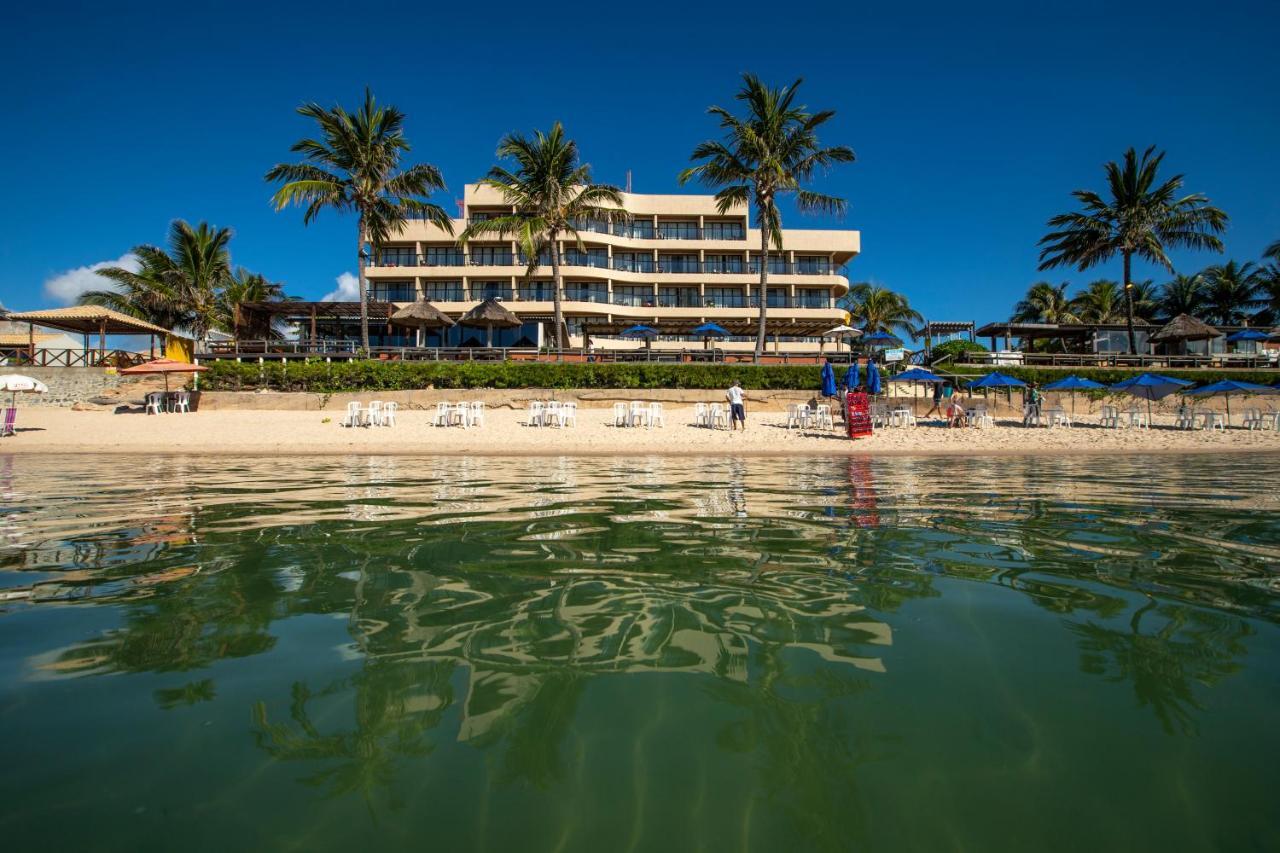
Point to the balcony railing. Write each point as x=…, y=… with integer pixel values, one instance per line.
x=645, y=230
x=669, y=266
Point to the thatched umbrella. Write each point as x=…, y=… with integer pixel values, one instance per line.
x=490, y=315
x=1184, y=328
x=422, y=316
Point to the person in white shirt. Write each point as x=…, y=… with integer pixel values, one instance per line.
x=737, y=411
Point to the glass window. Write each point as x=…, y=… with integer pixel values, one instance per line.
x=814, y=298
x=583, y=291
x=724, y=231
x=677, y=263
x=725, y=297
x=678, y=230
x=538, y=291
x=490, y=290
x=444, y=256
x=392, y=291
x=724, y=263
x=443, y=291
x=778, y=298
x=678, y=297
x=397, y=256
x=638, y=228
x=777, y=264
x=630, y=295
x=491, y=256
x=813, y=265
x=590, y=258
x=633, y=262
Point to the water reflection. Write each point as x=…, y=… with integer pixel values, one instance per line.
x=491, y=604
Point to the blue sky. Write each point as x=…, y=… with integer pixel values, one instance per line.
x=972, y=122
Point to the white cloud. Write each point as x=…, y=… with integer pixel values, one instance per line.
x=66, y=287
x=348, y=289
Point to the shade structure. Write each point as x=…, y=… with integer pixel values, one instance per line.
x=1226, y=388
x=164, y=366
x=916, y=374
x=1247, y=335
x=490, y=315
x=873, y=378
x=1073, y=384
x=1184, y=327
x=710, y=330
x=998, y=380
x=1150, y=386
x=828, y=380
x=639, y=332
x=16, y=383
x=881, y=339
x=422, y=315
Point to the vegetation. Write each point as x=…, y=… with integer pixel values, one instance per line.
x=1139, y=217
x=1100, y=302
x=957, y=349
x=878, y=309
x=1229, y=293
x=552, y=194
x=364, y=375
x=770, y=151
x=355, y=165
x=1045, y=303
x=189, y=286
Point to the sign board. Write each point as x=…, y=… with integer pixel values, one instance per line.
x=894, y=355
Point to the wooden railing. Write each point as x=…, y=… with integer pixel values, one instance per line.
x=1056, y=359
x=71, y=357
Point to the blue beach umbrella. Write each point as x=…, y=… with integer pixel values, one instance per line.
x=710, y=330
x=1227, y=387
x=881, y=339
x=851, y=377
x=1073, y=384
x=918, y=374
x=828, y=380
x=873, y=378
x=1150, y=386
x=640, y=332
x=998, y=380
x=1247, y=335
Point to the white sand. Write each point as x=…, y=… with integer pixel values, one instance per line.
x=52, y=430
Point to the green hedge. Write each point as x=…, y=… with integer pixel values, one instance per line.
x=340, y=377
x=346, y=376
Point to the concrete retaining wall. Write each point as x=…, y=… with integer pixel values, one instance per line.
x=70, y=385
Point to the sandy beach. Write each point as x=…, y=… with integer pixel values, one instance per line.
x=507, y=432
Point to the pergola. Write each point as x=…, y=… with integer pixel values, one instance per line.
x=87, y=320
x=253, y=317
x=1036, y=331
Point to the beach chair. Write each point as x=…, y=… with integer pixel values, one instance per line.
x=442, y=414
x=620, y=414
x=537, y=410
x=182, y=402
x=700, y=415
x=639, y=414
x=1135, y=417
x=551, y=414
x=389, y=413
x=1215, y=420
x=155, y=403
x=979, y=416
x=352, y=418
x=373, y=415
x=718, y=416
x=655, y=415
x=1185, y=419
x=822, y=417
x=902, y=416
x=1059, y=417
x=1109, y=417
x=10, y=419
x=879, y=415
x=793, y=415
x=475, y=413
x=569, y=414
x=1252, y=419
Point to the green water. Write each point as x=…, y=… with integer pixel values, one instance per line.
x=640, y=654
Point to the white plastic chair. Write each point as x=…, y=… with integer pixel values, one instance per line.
x=1136, y=418
x=1252, y=419
x=442, y=414
x=620, y=414
x=655, y=415
x=551, y=414
x=155, y=403
x=639, y=414
x=569, y=414
x=537, y=411
x=902, y=416
x=1109, y=417
x=980, y=416
x=701, y=417
x=458, y=415
x=389, y=414
x=793, y=415
x=1215, y=420
x=373, y=417
x=1186, y=419
x=182, y=402
x=353, y=415
x=1059, y=417
x=475, y=414
x=718, y=416
x=822, y=417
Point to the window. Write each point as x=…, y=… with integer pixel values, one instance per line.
x=583, y=291
x=538, y=291
x=397, y=256
x=724, y=231
x=444, y=256
x=677, y=263
x=392, y=291
x=813, y=298
x=638, y=228
x=443, y=291
x=777, y=264
x=590, y=258
x=678, y=297
x=490, y=290
x=778, y=298
x=600, y=226
x=724, y=263
x=490, y=256
x=678, y=230
x=633, y=262
x=635, y=296
x=813, y=265
x=544, y=258
x=725, y=297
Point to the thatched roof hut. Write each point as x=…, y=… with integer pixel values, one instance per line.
x=1184, y=327
x=490, y=314
x=422, y=315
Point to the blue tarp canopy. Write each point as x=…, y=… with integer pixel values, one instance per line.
x=1247, y=335
x=1074, y=383
x=640, y=332
x=997, y=380
x=711, y=330
x=917, y=374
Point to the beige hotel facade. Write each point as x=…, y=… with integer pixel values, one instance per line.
x=677, y=263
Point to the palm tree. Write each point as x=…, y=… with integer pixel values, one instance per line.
x=1145, y=297
x=1099, y=303
x=771, y=151
x=177, y=288
x=1045, y=303
x=1141, y=218
x=878, y=309
x=1230, y=292
x=245, y=286
x=552, y=194
x=356, y=166
x=1268, y=294
x=1183, y=294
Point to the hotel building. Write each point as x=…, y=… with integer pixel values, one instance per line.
x=676, y=263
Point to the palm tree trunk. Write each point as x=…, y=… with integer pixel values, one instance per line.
x=558, y=310
x=364, y=302
x=1128, y=307
x=764, y=283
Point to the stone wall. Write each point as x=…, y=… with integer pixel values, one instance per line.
x=86, y=385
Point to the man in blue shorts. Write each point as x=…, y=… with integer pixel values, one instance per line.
x=737, y=411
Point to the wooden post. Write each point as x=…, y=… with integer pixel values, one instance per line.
x=313, y=324
x=102, y=341
x=31, y=342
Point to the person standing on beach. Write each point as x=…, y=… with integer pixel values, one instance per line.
x=937, y=401
x=737, y=410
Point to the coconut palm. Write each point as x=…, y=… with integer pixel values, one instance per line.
x=770, y=151
x=1230, y=292
x=1146, y=298
x=1182, y=294
x=878, y=309
x=355, y=165
x=1268, y=294
x=1099, y=303
x=175, y=288
x=1045, y=303
x=1141, y=218
x=552, y=193
x=1272, y=252
x=245, y=286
